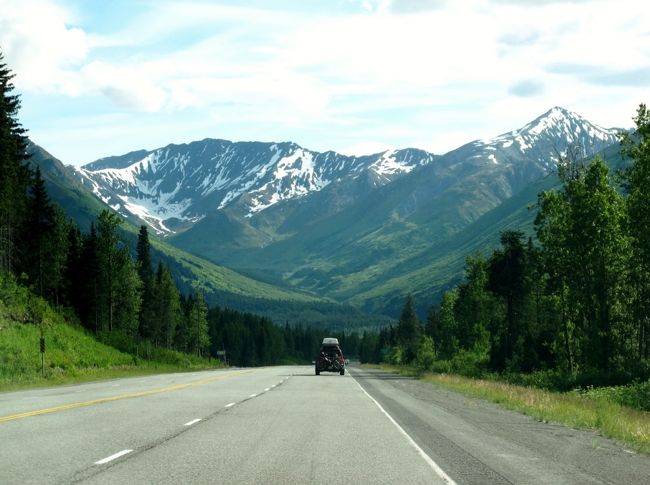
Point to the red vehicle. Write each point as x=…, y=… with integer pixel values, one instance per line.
x=330, y=357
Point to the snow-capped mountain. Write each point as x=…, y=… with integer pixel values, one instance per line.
x=557, y=133
x=173, y=187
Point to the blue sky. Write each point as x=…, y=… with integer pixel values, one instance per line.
x=101, y=78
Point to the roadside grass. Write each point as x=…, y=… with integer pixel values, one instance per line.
x=72, y=354
x=579, y=410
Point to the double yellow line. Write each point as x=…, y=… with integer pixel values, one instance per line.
x=129, y=395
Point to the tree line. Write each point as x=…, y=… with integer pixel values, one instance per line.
x=573, y=302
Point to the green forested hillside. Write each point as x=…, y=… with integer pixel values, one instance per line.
x=563, y=306
x=220, y=285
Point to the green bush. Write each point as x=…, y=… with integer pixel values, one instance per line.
x=426, y=354
x=635, y=395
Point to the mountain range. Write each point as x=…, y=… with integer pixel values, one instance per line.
x=357, y=230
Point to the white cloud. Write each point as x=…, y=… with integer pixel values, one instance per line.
x=40, y=46
x=392, y=70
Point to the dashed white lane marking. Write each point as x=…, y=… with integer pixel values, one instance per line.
x=113, y=457
x=434, y=466
x=230, y=405
x=253, y=395
x=267, y=389
x=194, y=421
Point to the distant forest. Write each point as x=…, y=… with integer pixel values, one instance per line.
x=570, y=308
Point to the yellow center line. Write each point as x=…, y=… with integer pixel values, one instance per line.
x=129, y=395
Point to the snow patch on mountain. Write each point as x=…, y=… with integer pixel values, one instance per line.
x=186, y=182
x=388, y=164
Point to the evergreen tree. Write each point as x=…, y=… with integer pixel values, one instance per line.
x=73, y=272
x=43, y=250
x=475, y=305
x=119, y=286
x=507, y=280
x=168, y=306
x=198, y=338
x=408, y=330
x=442, y=326
x=14, y=173
x=149, y=325
x=126, y=294
x=90, y=283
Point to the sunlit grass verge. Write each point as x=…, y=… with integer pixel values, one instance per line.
x=629, y=426
x=72, y=355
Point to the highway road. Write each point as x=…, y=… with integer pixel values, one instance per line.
x=285, y=425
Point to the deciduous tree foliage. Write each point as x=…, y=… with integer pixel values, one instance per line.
x=578, y=303
x=637, y=179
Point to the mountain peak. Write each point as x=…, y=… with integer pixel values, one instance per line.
x=566, y=121
x=560, y=127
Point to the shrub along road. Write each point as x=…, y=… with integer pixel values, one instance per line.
x=283, y=425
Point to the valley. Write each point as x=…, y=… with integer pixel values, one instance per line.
x=357, y=231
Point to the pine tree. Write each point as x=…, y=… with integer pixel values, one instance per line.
x=149, y=326
x=475, y=305
x=109, y=266
x=43, y=248
x=90, y=282
x=14, y=173
x=409, y=329
x=168, y=306
x=126, y=294
x=197, y=324
x=73, y=270
x=507, y=280
x=442, y=325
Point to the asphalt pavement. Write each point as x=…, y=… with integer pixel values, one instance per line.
x=286, y=425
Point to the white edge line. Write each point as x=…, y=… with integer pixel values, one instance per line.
x=194, y=421
x=230, y=405
x=434, y=466
x=112, y=457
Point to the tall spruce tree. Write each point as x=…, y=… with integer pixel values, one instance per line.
x=127, y=293
x=168, y=306
x=148, y=323
x=90, y=282
x=197, y=324
x=43, y=250
x=507, y=280
x=14, y=173
x=409, y=329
